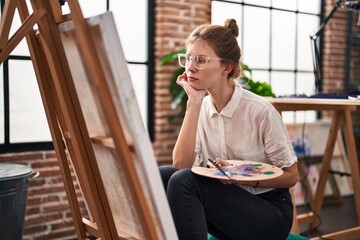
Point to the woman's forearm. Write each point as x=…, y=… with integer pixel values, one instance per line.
x=184, y=150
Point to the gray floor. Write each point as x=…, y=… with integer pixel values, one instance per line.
x=334, y=216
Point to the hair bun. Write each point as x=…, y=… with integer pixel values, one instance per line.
x=232, y=26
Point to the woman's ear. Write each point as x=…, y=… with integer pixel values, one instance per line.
x=228, y=68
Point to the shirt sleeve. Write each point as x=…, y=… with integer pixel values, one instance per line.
x=278, y=146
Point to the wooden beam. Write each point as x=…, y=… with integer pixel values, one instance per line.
x=24, y=30
x=348, y=234
x=6, y=21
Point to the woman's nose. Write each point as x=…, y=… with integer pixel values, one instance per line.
x=191, y=64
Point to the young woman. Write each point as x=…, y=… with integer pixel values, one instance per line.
x=226, y=122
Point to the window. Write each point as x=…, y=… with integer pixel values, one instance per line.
x=23, y=124
x=275, y=42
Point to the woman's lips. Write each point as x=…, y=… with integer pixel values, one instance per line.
x=191, y=79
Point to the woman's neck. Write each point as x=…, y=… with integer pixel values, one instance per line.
x=221, y=96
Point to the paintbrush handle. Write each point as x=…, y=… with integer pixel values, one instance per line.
x=221, y=169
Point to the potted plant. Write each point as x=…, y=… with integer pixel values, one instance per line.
x=179, y=97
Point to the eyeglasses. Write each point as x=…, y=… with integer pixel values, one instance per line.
x=199, y=61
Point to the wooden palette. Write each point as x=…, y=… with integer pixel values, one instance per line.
x=242, y=171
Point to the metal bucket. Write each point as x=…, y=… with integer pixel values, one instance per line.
x=14, y=180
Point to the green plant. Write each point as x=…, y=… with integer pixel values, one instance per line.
x=179, y=97
x=259, y=88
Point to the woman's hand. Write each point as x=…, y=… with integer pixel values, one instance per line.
x=222, y=162
x=192, y=93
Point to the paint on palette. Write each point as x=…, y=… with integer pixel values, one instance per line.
x=246, y=170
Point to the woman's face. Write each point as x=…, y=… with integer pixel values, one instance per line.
x=211, y=75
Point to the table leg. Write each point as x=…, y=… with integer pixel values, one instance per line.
x=353, y=160
x=325, y=165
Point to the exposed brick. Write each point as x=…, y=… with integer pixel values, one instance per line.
x=32, y=210
x=56, y=208
x=50, y=198
x=62, y=225
x=33, y=230
x=46, y=164
x=56, y=235
x=33, y=200
x=43, y=218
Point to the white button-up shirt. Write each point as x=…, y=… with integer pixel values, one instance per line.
x=248, y=128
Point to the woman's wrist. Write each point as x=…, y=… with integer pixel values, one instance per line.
x=195, y=99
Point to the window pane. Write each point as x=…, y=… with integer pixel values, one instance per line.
x=27, y=117
x=258, y=2
x=131, y=22
x=256, y=37
x=92, y=7
x=283, y=83
x=22, y=48
x=305, y=84
x=283, y=40
x=309, y=6
x=261, y=76
x=288, y=4
x=307, y=25
x=138, y=74
x=222, y=11
x=2, y=132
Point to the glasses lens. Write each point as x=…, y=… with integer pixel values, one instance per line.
x=182, y=60
x=200, y=62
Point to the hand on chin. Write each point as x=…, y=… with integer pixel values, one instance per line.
x=196, y=86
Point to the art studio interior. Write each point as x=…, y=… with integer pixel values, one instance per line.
x=70, y=149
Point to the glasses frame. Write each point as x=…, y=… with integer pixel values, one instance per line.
x=193, y=59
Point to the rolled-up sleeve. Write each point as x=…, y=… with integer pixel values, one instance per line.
x=278, y=146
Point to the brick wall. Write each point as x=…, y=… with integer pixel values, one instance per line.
x=334, y=54
x=174, y=21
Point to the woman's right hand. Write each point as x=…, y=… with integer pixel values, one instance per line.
x=192, y=93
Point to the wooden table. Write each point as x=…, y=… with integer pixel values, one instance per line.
x=341, y=119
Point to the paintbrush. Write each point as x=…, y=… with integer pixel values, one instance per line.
x=221, y=169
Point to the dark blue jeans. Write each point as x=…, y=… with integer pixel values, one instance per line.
x=202, y=205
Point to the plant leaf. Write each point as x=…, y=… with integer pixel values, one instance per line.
x=170, y=57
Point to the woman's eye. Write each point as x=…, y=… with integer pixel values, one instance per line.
x=201, y=60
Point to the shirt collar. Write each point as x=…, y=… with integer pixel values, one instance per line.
x=230, y=108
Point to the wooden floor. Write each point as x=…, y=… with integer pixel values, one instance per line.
x=333, y=217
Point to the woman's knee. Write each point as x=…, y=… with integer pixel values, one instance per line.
x=181, y=179
x=166, y=172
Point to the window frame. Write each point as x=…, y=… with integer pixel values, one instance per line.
x=7, y=147
x=297, y=116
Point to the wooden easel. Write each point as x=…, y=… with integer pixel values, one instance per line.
x=84, y=99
